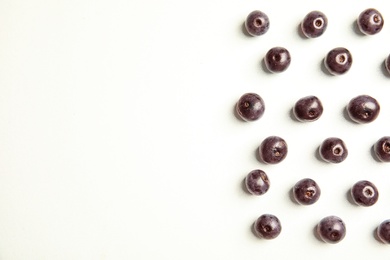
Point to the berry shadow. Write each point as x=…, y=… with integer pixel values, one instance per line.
x=300, y=33
x=356, y=29
x=373, y=154
x=264, y=67
x=324, y=69
x=317, y=155
x=347, y=117
x=375, y=235
x=253, y=230
x=291, y=195
x=257, y=155
x=293, y=117
x=384, y=70
x=244, y=188
x=244, y=31
x=316, y=235
x=348, y=195
x=236, y=114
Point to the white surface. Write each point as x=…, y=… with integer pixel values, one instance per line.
x=118, y=138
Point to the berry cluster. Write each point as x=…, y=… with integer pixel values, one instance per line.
x=338, y=61
x=361, y=109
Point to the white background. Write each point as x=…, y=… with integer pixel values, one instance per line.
x=118, y=138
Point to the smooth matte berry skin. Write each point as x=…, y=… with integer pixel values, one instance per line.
x=277, y=59
x=267, y=226
x=273, y=150
x=364, y=193
x=257, y=182
x=382, y=149
x=333, y=150
x=314, y=24
x=363, y=109
x=370, y=21
x=331, y=229
x=387, y=64
x=308, y=109
x=383, y=231
x=257, y=23
x=250, y=107
x=338, y=61
x=306, y=191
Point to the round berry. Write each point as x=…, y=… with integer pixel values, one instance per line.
x=383, y=231
x=308, y=109
x=363, y=109
x=277, y=59
x=331, y=229
x=257, y=182
x=338, y=61
x=382, y=149
x=333, y=150
x=267, y=226
x=364, y=193
x=306, y=191
x=314, y=24
x=387, y=64
x=273, y=150
x=257, y=23
x=250, y=107
x=370, y=21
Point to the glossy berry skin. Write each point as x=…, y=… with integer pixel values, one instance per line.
x=331, y=229
x=257, y=182
x=308, y=109
x=277, y=59
x=383, y=231
x=382, y=149
x=273, y=150
x=306, y=191
x=314, y=24
x=333, y=150
x=364, y=193
x=363, y=109
x=267, y=226
x=257, y=23
x=250, y=107
x=338, y=61
x=370, y=21
x=387, y=64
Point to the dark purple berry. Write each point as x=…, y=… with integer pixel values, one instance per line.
x=250, y=107
x=257, y=182
x=277, y=59
x=370, y=21
x=308, y=109
x=333, y=150
x=267, y=226
x=331, y=229
x=273, y=150
x=314, y=24
x=387, y=64
x=364, y=193
x=338, y=61
x=363, y=109
x=383, y=231
x=306, y=191
x=382, y=149
x=257, y=23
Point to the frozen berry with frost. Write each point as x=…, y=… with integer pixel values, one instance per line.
x=333, y=150
x=277, y=59
x=370, y=21
x=257, y=182
x=250, y=107
x=257, y=23
x=314, y=24
x=383, y=231
x=382, y=149
x=364, y=193
x=338, y=61
x=267, y=226
x=306, y=191
x=363, y=109
x=273, y=150
x=308, y=109
x=331, y=229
